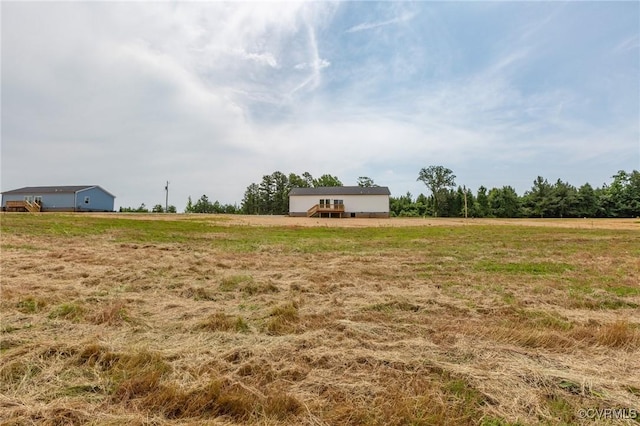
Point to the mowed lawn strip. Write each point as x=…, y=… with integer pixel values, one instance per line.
x=168, y=319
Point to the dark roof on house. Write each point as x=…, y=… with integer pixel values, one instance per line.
x=39, y=190
x=341, y=190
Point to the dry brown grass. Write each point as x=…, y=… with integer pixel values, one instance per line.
x=238, y=324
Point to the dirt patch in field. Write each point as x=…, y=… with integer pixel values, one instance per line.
x=407, y=222
x=270, y=220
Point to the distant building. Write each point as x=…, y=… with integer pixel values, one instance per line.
x=84, y=198
x=340, y=201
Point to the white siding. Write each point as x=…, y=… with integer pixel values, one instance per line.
x=352, y=203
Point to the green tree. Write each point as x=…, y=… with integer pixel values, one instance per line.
x=273, y=193
x=309, y=179
x=402, y=205
x=458, y=200
x=281, y=188
x=437, y=179
x=564, y=200
x=266, y=191
x=203, y=205
x=586, y=201
x=623, y=195
x=366, y=182
x=453, y=203
x=481, y=205
x=231, y=209
x=423, y=205
x=633, y=194
x=296, y=181
x=539, y=198
x=504, y=202
x=251, y=200
x=142, y=209
x=327, y=180
x=189, y=207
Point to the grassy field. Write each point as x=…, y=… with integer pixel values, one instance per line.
x=179, y=319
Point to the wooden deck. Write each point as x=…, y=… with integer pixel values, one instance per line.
x=23, y=206
x=332, y=210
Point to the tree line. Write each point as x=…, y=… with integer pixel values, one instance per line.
x=158, y=208
x=620, y=198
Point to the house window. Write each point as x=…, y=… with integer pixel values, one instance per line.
x=86, y=200
x=338, y=202
x=321, y=202
x=38, y=199
x=28, y=198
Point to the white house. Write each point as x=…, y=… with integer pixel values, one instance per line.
x=340, y=201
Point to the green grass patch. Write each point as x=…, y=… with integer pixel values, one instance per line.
x=31, y=305
x=528, y=268
x=14, y=373
x=623, y=291
x=68, y=311
x=223, y=322
x=119, y=228
x=241, y=325
x=600, y=302
x=461, y=243
x=233, y=282
x=547, y=319
x=561, y=409
x=83, y=390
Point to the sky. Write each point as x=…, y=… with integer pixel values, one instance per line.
x=212, y=96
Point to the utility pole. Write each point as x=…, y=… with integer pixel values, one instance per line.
x=465, y=202
x=166, y=200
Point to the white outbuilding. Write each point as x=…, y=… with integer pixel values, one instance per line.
x=340, y=201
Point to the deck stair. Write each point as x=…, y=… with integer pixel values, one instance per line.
x=331, y=209
x=23, y=206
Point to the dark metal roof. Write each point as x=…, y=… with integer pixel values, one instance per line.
x=341, y=190
x=39, y=190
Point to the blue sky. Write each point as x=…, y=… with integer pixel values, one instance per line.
x=212, y=96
